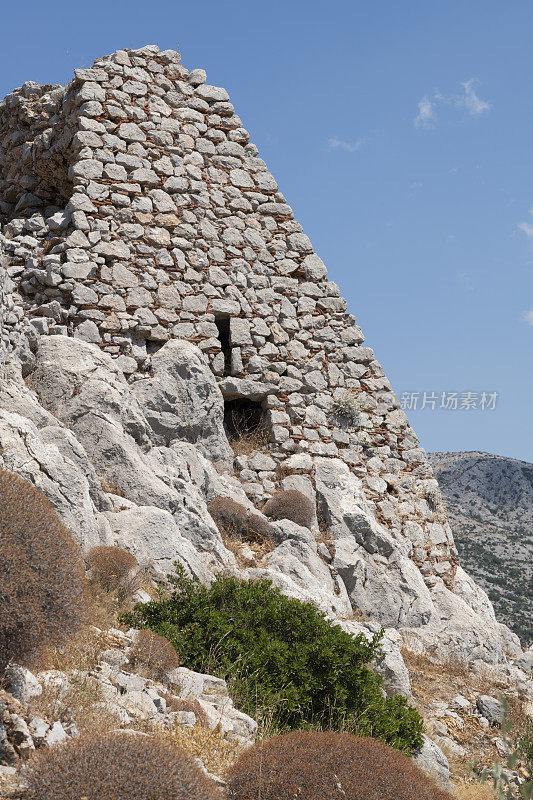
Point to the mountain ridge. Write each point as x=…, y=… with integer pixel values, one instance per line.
x=490, y=502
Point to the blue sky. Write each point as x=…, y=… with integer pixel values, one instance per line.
x=401, y=133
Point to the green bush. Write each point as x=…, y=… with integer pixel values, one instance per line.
x=281, y=655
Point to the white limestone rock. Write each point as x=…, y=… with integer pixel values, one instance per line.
x=182, y=401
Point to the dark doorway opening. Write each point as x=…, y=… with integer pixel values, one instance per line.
x=153, y=346
x=242, y=418
x=222, y=323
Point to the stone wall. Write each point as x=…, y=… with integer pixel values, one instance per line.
x=12, y=320
x=135, y=209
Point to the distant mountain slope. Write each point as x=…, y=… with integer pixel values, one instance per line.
x=490, y=505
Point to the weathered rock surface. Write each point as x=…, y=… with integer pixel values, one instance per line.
x=182, y=400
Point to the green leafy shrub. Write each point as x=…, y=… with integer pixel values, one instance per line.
x=292, y=505
x=327, y=766
x=117, y=766
x=154, y=652
x=281, y=655
x=41, y=573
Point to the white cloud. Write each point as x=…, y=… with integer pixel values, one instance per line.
x=526, y=228
x=339, y=144
x=426, y=116
x=468, y=101
x=528, y=316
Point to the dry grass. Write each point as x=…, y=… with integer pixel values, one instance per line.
x=474, y=791
x=247, y=442
x=433, y=680
x=241, y=547
x=241, y=531
x=80, y=652
x=82, y=704
x=216, y=752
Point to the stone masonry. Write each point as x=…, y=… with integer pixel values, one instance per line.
x=134, y=209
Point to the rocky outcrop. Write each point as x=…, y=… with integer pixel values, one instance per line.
x=88, y=445
x=182, y=402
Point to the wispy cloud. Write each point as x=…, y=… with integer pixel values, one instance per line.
x=470, y=101
x=340, y=144
x=467, y=100
x=426, y=114
x=528, y=316
x=526, y=228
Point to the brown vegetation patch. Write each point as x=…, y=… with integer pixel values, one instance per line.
x=238, y=528
x=179, y=704
x=327, y=765
x=113, y=569
x=121, y=766
x=41, y=573
x=154, y=653
x=292, y=505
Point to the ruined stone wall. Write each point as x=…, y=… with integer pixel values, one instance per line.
x=12, y=319
x=135, y=210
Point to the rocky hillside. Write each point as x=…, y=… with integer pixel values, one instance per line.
x=490, y=506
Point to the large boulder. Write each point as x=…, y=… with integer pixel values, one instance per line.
x=379, y=576
x=58, y=473
x=385, y=584
x=297, y=558
x=432, y=760
x=181, y=400
x=154, y=537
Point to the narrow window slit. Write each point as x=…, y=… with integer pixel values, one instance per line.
x=223, y=323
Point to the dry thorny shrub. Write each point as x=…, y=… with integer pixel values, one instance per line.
x=292, y=505
x=117, y=766
x=238, y=528
x=41, y=573
x=154, y=654
x=114, y=570
x=326, y=766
